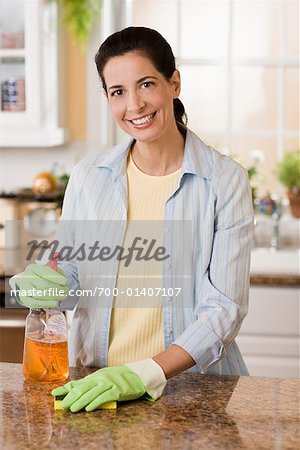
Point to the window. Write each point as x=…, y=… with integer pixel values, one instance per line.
x=239, y=66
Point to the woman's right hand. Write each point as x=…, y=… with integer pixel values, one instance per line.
x=39, y=286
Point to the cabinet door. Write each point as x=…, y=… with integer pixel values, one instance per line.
x=29, y=102
x=20, y=63
x=269, y=337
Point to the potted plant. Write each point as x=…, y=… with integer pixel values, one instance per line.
x=289, y=176
x=252, y=172
x=79, y=16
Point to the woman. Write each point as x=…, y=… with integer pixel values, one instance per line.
x=166, y=174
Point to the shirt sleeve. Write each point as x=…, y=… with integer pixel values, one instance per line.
x=223, y=300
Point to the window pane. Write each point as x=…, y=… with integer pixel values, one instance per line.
x=217, y=141
x=12, y=24
x=292, y=99
x=292, y=27
x=254, y=98
x=160, y=15
x=204, y=28
x=204, y=96
x=12, y=79
x=246, y=150
x=256, y=31
x=291, y=144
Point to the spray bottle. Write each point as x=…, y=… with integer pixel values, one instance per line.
x=45, y=355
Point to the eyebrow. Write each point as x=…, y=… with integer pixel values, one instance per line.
x=118, y=86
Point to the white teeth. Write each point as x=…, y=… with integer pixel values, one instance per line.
x=143, y=120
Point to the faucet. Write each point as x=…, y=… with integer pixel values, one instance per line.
x=274, y=242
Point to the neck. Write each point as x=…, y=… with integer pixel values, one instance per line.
x=160, y=157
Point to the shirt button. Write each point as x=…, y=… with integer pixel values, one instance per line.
x=166, y=229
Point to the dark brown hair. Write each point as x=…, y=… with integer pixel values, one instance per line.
x=150, y=43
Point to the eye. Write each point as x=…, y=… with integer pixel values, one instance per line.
x=147, y=84
x=117, y=93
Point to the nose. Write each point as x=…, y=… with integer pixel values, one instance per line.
x=135, y=102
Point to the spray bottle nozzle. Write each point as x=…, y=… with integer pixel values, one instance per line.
x=54, y=261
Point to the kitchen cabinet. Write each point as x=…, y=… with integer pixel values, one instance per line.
x=269, y=337
x=30, y=91
x=12, y=329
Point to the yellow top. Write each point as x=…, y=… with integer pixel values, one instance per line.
x=136, y=330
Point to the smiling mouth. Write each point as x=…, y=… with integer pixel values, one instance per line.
x=143, y=120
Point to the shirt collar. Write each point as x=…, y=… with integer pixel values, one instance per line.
x=115, y=159
x=196, y=158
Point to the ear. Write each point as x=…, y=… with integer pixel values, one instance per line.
x=176, y=83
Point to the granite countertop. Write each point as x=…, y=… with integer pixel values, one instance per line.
x=196, y=411
x=274, y=280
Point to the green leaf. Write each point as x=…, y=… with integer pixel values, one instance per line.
x=251, y=172
x=79, y=16
x=289, y=171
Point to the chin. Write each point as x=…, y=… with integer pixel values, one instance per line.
x=145, y=135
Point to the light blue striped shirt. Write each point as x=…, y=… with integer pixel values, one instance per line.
x=213, y=195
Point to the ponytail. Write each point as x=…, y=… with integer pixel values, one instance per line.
x=179, y=112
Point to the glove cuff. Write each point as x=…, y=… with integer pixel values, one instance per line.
x=151, y=375
x=14, y=287
x=12, y=283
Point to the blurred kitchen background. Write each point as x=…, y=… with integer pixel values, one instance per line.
x=239, y=63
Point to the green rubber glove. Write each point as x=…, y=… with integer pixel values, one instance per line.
x=111, y=383
x=40, y=286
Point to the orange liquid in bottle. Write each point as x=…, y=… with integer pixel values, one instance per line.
x=45, y=357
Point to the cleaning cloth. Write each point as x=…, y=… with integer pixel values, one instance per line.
x=59, y=398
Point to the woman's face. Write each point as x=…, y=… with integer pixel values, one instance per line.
x=140, y=98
